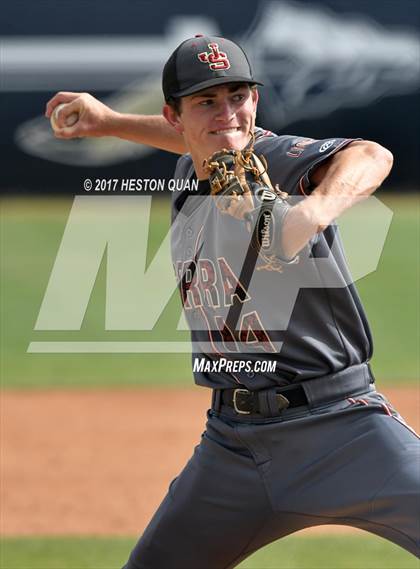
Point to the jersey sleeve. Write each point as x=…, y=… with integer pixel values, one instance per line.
x=291, y=159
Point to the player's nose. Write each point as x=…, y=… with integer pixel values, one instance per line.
x=224, y=111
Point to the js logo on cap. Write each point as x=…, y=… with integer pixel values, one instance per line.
x=217, y=60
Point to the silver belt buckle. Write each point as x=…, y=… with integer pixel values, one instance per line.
x=235, y=405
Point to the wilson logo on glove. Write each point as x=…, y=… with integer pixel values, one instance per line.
x=265, y=224
x=265, y=195
x=241, y=187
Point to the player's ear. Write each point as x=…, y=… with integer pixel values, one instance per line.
x=173, y=118
x=255, y=96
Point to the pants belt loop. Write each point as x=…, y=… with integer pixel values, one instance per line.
x=216, y=399
x=268, y=402
x=370, y=373
x=333, y=387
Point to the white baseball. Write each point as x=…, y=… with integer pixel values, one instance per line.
x=70, y=120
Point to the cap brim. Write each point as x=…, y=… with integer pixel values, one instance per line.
x=216, y=81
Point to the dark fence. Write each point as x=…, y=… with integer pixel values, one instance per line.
x=332, y=68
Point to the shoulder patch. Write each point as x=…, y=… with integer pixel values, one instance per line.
x=299, y=147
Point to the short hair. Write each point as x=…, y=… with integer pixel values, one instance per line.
x=175, y=103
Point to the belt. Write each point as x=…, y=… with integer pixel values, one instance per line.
x=273, y=401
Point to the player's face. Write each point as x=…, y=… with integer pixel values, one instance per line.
x=216, y=118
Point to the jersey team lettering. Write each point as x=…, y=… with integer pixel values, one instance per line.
x=200, y=282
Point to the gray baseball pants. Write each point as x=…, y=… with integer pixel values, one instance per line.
x=352, y=462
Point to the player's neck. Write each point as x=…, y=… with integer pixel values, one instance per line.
x=199, y=170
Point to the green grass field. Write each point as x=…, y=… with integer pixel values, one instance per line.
x=31, y=232
x=294, y=552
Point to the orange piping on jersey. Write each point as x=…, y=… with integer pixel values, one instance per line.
x=301, y=188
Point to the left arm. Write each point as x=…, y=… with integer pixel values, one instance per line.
x=349, y=176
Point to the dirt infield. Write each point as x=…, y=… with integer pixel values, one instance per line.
x=98, y=462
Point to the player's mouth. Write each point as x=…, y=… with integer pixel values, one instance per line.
x=229, y=130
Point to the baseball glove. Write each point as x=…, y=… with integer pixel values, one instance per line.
x=240, y=184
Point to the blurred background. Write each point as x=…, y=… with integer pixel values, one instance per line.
x=331, y=68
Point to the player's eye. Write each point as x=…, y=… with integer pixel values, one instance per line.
x=206, y=102
x=238, y=97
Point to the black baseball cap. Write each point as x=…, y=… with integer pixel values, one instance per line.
x=204, y=61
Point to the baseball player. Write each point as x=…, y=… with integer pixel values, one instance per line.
x=297, y=435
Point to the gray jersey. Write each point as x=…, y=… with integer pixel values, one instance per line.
x=305, y=316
